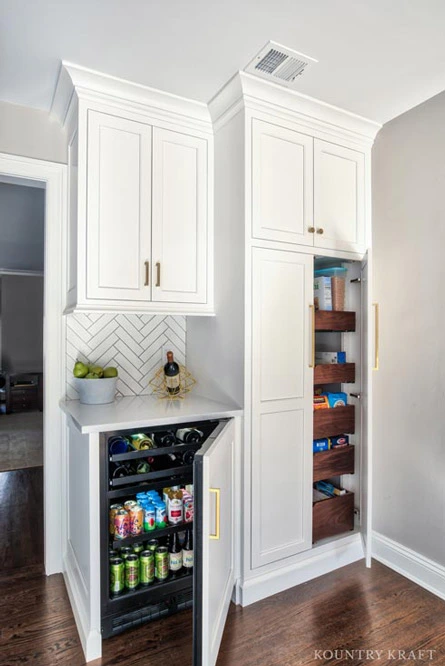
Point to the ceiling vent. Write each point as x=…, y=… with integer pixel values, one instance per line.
x=279, y=64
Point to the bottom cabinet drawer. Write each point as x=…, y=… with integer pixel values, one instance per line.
x=332, y=516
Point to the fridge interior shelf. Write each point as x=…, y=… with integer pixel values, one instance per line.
x=334, y=320
x=336, y=421
x=130, y=492
x=154, y=534
x=334, y=373
x=161, y=451
x=156, y=590
x=337, y=461
x=332, y=516
x=150, y=476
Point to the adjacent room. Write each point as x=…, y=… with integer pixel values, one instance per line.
x=221, y=360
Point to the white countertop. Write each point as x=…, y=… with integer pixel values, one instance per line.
x=145, y=410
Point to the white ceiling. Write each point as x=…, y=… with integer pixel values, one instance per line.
x=377, y=58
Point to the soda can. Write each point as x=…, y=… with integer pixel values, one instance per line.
x=152, y=545
x=138, y=548
x=112, y=553
x=161, y=563
x=136, y=520
x=141, y=497
x=125, y=551
x=149, y=518
x=114, y=508
x=161, y=515
x=188, y=509
x=121, y=524
x=117, y=575
x=128, y=504
x=146, y=567
x=132, y=572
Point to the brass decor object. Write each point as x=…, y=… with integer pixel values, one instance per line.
x=159, y=385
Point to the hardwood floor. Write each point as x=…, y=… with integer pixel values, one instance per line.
x=353, y=608
x=21, y=519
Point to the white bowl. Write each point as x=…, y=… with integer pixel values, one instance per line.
x=96, y=391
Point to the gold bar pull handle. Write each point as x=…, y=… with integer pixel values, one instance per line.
x=376, y=336
x=147, y=273
x=158, y=274
x=312, y=363
x=217, y=493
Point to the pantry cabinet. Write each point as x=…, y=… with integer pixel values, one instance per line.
x=140, y=232
x=282, y=388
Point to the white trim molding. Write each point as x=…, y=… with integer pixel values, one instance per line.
x=53, y=176
x=314, y=563
x=408, y=563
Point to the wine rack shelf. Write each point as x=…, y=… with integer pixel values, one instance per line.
x=338, y=373
x=335, y=462
x=336, y=421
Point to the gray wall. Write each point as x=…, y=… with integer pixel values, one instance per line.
x=409, y=284
x=22, y=221
x=22, y=323
x=31, y=133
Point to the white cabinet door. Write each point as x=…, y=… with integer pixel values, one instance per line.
x=367, y=361
x=282, y=184
x=339, y=197
x=282, y=392
x=179, y=217
x=214, y=567
x=118, y=229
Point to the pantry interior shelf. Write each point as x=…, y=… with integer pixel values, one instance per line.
x=335, y=462
x=334, y=320
x=334, y=373
x=154, y=534
x=332, y=516
x=335, y=421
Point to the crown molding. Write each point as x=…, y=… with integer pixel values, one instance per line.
x=265, y=96
x=81, y=82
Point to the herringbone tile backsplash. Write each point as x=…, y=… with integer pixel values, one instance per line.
x=134, y=344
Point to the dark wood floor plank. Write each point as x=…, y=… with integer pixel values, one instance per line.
x=353, y=608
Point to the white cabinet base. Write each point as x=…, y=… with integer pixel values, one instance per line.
x=311, y=564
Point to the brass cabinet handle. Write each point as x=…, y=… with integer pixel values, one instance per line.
x=217, y=492
x=147, y=273
x=311, y=230
x=158, y=274
x=320, y=230
x=312, y=309
x=376, y=336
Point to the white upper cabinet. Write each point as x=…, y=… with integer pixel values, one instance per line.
x=282, y=193
x=179, y=252
x=118, y=208
x=339, y=197
x=282, y=392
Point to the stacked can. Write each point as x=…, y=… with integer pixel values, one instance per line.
x=188, y=506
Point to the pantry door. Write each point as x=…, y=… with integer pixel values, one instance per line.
x=369, y=360
x=214, y=567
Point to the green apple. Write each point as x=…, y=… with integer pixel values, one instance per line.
x=110, y=372
x=92, y=375
x=80, y=369
x=97, y=370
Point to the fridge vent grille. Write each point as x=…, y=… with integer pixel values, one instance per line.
x=279, y=64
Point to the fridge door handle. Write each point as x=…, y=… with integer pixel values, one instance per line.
x=217, y=492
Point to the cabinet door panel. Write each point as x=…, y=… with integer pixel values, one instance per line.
x=339, y=196
x=119, y=208
x=281, y=405
x=282, y=198
x=179, y=217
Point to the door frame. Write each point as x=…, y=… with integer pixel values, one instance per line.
x=51, y=176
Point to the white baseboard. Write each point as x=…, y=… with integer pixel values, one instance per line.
x=320, y=561
x=412, y=565
x=91, y=640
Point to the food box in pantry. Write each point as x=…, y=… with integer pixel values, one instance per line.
x=322, y=293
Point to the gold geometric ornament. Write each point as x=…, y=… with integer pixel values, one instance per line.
x=159, y=385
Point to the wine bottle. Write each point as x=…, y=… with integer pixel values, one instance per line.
x=171, y=372
x=160, y=463
x=165, y=438
x=187, y=552
x=189, y=435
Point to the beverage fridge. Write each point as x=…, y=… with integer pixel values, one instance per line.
x=167, y=528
